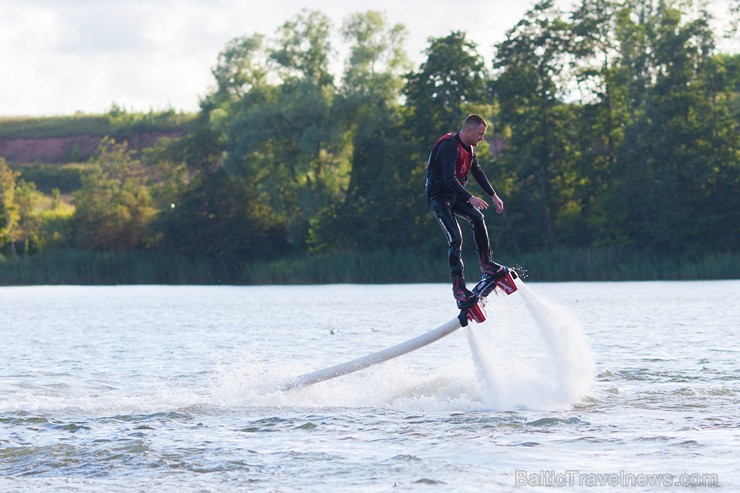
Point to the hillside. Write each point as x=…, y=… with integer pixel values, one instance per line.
x=69, y=139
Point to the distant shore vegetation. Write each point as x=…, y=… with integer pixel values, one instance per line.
x=613, y=142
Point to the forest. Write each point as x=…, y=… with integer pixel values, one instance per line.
x=613, y=142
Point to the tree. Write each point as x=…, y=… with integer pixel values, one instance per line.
x=166, y=177
x=30, y=222
x=303, y=49
x=530, y=68
x=280, y=138
x=219, y=217
x=113, y=206
x=598, y=35
x=10, y=214
x=377, y=58
x=367, y=115
x=241, y=66
x=678, y=155
x=452, y=76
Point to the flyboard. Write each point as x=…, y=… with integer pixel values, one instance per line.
x=475, y=312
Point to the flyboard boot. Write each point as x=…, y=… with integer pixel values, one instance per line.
x=463, y=296
x=494, y=276
x=467, y=302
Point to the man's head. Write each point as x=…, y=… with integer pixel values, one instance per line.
x=473, y=130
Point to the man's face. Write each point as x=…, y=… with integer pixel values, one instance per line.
x=474, y=135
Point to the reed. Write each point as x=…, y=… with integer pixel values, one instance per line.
x=383, y=266
x=608, y=264
x=81, y=267
x=623, y=264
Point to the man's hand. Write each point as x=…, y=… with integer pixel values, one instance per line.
x=478, y=203
x=498, y=203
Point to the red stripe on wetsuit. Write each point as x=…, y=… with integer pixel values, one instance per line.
x=464, y=158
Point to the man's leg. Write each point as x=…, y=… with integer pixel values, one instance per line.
x=451, y=229
x=475, y=217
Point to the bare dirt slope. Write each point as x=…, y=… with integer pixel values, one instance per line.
x=66, y=148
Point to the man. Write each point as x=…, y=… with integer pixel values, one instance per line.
x=451, y=160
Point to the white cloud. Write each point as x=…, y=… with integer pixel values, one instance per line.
x=100, y=28
x=83, y=55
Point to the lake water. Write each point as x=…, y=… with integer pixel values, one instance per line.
x=587, y=386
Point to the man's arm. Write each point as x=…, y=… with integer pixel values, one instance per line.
x=482, y=179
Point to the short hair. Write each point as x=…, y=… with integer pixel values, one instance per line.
x=474, y=120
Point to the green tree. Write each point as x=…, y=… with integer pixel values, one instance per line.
x=216, y=209
x=600, y=42
x=10, y=214
x=377, y=58
x=439, y=94
x=303, y=49
x=167, y=177
x=678, y=159
x=531, y=67
x=219, y=217
x=280, y=139
x=241, y=66
x=367, y=114
x=27, y=198
x=113, y=206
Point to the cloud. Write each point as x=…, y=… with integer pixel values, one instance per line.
x=86, y=55
x=99, y=29
x=83, y=55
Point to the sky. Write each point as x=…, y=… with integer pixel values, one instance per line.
x=59, y=57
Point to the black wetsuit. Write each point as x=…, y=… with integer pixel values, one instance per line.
x=448, y=167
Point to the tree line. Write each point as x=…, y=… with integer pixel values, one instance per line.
x=612, y=124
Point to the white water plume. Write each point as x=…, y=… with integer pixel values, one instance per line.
x=511, y=378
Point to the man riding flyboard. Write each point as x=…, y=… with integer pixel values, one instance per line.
x=450, y=162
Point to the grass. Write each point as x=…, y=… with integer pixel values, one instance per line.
x=113, y=124
x=64, y=176
x=384, y=266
